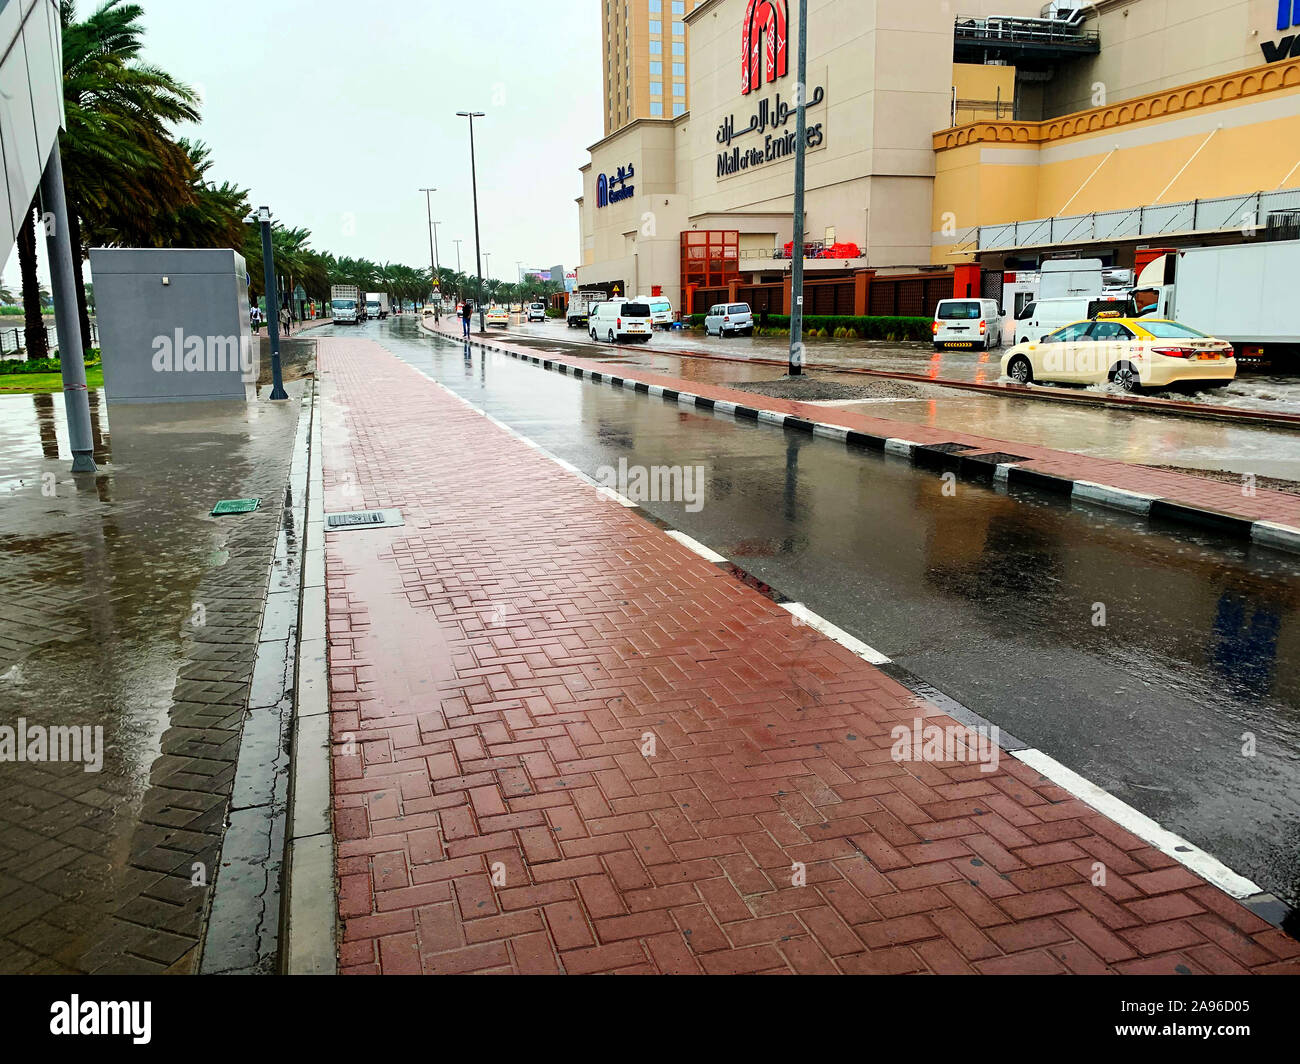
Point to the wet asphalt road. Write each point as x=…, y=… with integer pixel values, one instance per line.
x=991, y=596
x=1102, y=432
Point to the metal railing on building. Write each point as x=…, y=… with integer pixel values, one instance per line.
x=1249, y=213
x=14, y=341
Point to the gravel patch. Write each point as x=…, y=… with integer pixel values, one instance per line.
x=1289, y=487
x=811, y=389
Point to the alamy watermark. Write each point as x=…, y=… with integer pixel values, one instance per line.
x=180, y=353
x=931, y=743
x=684, y=484
x=59, y=743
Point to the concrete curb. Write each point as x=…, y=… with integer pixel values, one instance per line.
x=957, y=458
x=310, y=916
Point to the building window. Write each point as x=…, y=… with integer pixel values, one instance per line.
x=679, y=108
x=679, y=70
x=656, y=26
x=656, y=109
x=656, y=7
x=657, y=88
x=679, y=48
x=679, y=6
x=679, y=29
x=656, y=47
x=679, y=88
x=657, y=68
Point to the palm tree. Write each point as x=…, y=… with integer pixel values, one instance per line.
x=123, y=170
x=33, y=317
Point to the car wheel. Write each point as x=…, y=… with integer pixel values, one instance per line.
x=611, y=337
x=1125, y=374
x=1021, y=370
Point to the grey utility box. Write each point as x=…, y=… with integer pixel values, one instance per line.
x=173, y=324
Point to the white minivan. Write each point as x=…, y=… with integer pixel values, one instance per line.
x=1044, y=316
x=661, y=311
x=734, y=319
x=971, y=324
x=619, y=321
x=536, y=311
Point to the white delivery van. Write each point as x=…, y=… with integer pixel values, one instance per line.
x=974, y=324
x=1044, y=316
x=618, y=320
x=661, y=311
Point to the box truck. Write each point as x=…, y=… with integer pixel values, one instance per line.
x=376, y=305
x=1242, y=293
x=580, y=304
x=345, y=302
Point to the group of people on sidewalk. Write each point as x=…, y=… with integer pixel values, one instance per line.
x=257, y=316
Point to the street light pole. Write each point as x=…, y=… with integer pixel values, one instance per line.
x=272, y=302
x=458, y=244
x=433, y=252
x=478, y=258
x=800, y=153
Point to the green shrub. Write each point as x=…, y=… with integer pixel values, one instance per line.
x=11, y=312
x=11, y=366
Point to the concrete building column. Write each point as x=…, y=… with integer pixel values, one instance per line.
x=787, y=296
x=862, y=292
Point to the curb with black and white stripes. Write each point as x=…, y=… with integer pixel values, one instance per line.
x=1264, y=904
x=958, y=458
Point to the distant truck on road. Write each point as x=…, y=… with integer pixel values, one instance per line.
x=376, y=305
x=1242, y=293
x=580, y=304
x=345, y=302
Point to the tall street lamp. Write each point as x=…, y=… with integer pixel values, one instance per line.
x=263, y=217
x=458, y=244
x=800, y=152
x=433, y=250
x=478, y=258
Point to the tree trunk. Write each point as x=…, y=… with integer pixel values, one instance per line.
x=83, y=312
x=33, y=321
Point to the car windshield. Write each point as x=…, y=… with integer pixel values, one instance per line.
x=661, y=308
x=345, y=304
x=966, y=311
x=738, y=308
x=1171, y=330
x=636, y=310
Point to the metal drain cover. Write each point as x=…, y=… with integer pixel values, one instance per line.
x=357, y=520
x=226, y=507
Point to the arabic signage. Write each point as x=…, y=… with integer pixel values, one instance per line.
x=615, y=189
x=774, y=121
x=763, y=44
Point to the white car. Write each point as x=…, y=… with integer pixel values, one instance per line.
x=729, y=319
x=972, y=324
x=1043, y=317
x=536, y=311
x=618, y=321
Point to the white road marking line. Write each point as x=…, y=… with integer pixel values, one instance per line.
x=1116, y=498
x=820, y=624
x=696, y=546
x=1191, y=857
x=902, y=448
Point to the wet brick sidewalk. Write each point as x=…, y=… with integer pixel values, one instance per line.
x=565, y=743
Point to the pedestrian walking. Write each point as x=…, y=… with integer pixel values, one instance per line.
x=255, y=317
x=286, y=320
x=467, y=313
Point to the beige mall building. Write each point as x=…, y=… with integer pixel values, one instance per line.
x=944, y=149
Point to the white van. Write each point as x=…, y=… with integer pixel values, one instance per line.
x=1044, y=316
x=734, y=318
x=536, y=311
x=661, y=311
x=967, y=323
x=618, y=321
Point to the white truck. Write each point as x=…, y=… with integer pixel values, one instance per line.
x=580, y=304
x=345, y=303
x=1242, y=293
x=376, y=305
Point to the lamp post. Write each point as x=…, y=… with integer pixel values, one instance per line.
x=272, y=302
x=478, y=258
x=433, y=250
x=800, y=152
x=458, y=244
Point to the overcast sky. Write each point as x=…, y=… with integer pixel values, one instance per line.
x=335, y=113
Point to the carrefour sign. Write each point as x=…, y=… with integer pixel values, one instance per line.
x=615, y=189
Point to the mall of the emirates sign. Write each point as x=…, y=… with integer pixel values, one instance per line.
x=765, y=59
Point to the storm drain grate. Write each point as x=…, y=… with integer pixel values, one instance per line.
x=362, y=519
x=226, y=507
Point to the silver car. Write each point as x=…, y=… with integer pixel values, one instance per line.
x=729, y=319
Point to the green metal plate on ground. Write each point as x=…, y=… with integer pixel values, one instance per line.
x=235, y=506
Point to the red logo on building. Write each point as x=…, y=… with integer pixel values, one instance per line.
x=764, y=52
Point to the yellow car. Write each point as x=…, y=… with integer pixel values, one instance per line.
x=1134, y=353
x=497, y=316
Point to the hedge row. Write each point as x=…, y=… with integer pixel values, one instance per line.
x=12, y=366
x=843, y=326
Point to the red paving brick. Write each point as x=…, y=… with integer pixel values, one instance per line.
x=496, y=665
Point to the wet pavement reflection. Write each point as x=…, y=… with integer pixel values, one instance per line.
x=102, y=596
x=1137, y=656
